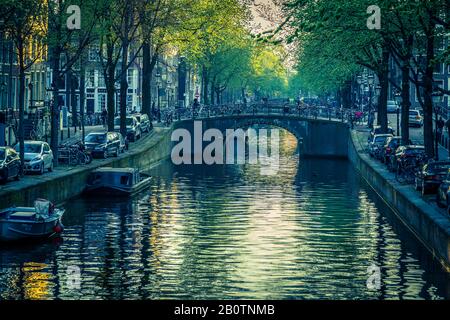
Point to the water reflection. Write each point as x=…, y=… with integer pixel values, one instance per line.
x=227, y=232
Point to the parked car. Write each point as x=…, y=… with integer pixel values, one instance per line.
x=377, y=143
x=389, y=149
x=392, y=106
x=133, y=127
x=377, y=130
x=38, y=157
x=415, y=119
x=144, y=121
x=442, y=196
x=431, y=176
x=103, y=144
x=10, y=166
x=405, y=153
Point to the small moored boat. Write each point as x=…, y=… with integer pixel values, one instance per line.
x=116, y=181
x=38, y=222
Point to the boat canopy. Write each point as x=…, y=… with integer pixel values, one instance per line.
x=115, y=176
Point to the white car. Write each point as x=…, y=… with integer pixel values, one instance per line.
x=415, y=118
x=377, y=143
x=38, y=156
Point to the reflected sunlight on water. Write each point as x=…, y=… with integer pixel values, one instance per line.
x=226, y=232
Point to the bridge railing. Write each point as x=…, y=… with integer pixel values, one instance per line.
x=204, y=112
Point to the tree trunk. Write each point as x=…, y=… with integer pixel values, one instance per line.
x=212, y=91
x=21, y=56
x=82, y=94
x=428, y=96
x=205, y=81
x=68, y=98
x=146, y=79
x=110, y=87
x=384, y=83
x=124, y=72
x=55, y=112
x=405, y=102
x=73, y=87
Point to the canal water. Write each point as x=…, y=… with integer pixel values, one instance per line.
x=315, y=230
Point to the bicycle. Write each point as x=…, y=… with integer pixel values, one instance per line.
x=407, y=170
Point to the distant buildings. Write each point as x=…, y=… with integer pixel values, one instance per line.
x=165, y=88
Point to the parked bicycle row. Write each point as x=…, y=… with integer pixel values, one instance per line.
x=39, y=158
x=410, y=164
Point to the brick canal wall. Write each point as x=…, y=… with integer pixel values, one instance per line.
x=429, y=224
x=64, y=184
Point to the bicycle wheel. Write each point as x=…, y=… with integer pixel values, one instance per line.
x=81, y=158
x=73, y=159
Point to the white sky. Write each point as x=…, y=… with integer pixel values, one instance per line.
x=266, y=15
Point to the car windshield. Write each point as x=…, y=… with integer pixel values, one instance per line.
x=2, y=154
x=415, y=151
x=439, y=167
x=30, y=148
x=96, y=138
x=380, y=139
x=128, y=122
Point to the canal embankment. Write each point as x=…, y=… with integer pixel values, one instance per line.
x=67, y=182
x=425, y=220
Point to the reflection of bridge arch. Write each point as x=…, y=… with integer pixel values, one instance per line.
x=282, y=125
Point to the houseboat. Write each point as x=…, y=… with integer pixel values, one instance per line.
x=116, y=181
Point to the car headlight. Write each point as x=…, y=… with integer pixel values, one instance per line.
x=38, y=158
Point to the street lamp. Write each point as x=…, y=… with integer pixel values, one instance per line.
x=30, y=86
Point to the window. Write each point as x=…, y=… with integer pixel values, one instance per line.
x=130, y=77
x=124, y=180
x=90, y=78
x=101, y=80
x=101, y=101
x=438, y=68
x=438, y=95
x=93, y=52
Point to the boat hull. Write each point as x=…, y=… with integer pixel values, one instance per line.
x=112, y=190
x=14, y=230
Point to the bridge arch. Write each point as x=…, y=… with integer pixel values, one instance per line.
x=322, y=138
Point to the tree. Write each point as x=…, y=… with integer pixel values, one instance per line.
x=215, y=21
x=65, y=46
x=24, y=22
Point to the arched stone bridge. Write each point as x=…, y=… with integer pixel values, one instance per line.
x=317, y=137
